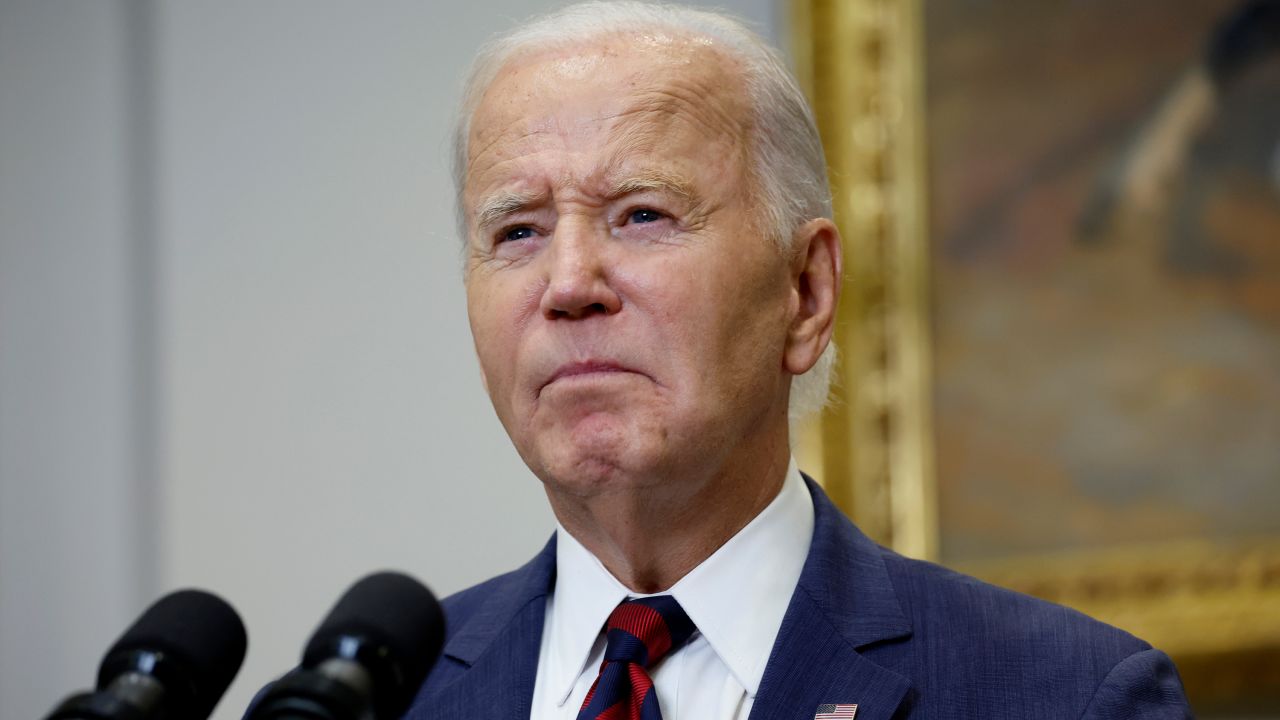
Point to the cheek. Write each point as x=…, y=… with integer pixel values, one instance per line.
x=744, y=323
x=496, y=338
x=670, y=295
x=701, y=327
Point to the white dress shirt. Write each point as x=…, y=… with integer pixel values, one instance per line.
x=736, y=598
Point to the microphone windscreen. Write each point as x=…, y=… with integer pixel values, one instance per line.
x=197, y=638
x=400, y=616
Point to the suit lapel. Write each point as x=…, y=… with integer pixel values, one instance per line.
x=843, y=602
x=500, y=682
x=498, y=650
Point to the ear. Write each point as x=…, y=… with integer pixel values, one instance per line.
x=816, y=268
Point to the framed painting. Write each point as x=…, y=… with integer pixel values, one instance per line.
x=1060, y=331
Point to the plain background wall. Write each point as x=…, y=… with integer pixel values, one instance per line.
x=74, y=516
x=233, y=342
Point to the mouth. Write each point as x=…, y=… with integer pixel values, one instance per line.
x=586, y=369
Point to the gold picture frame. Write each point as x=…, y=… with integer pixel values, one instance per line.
x=1215, y=607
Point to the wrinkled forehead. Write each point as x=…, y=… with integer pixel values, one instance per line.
x=640, y=89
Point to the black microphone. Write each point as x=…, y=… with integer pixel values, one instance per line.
x=366, y=660
x=173, y=663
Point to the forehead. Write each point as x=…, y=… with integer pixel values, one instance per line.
x=634, y=96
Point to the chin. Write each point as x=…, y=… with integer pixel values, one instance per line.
x=601, y=456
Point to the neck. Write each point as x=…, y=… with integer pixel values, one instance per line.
x=649, y=535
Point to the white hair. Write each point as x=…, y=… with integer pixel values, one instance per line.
x=789, y=171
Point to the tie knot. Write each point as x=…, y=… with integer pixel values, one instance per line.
x=643, y=630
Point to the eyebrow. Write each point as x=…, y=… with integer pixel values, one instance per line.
x=654, y=181
x=495, y=208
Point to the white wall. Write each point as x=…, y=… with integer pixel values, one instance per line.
x=73, y=561
x=311, y=408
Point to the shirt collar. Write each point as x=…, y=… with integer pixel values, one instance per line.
x=736, y=597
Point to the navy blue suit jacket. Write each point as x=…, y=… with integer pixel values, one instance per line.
x=899, y=637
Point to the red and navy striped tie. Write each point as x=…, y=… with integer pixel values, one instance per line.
x=639, y=632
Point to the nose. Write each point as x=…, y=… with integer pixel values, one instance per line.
x=579, y=271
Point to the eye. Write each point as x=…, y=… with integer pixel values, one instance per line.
x=521, y=232
x=644, y=215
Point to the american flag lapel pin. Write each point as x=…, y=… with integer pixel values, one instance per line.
x=842, y=711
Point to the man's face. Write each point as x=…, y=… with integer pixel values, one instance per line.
x=629, y=310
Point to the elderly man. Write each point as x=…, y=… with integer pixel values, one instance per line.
x=651, y=278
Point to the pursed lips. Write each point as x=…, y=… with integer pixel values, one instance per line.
x=588, y=367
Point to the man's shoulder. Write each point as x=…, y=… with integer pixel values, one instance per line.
x=940, y=605
x=497, y=599
x=936, y=596
x=1042, y=654
x=461, y=606
x=505, y=612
